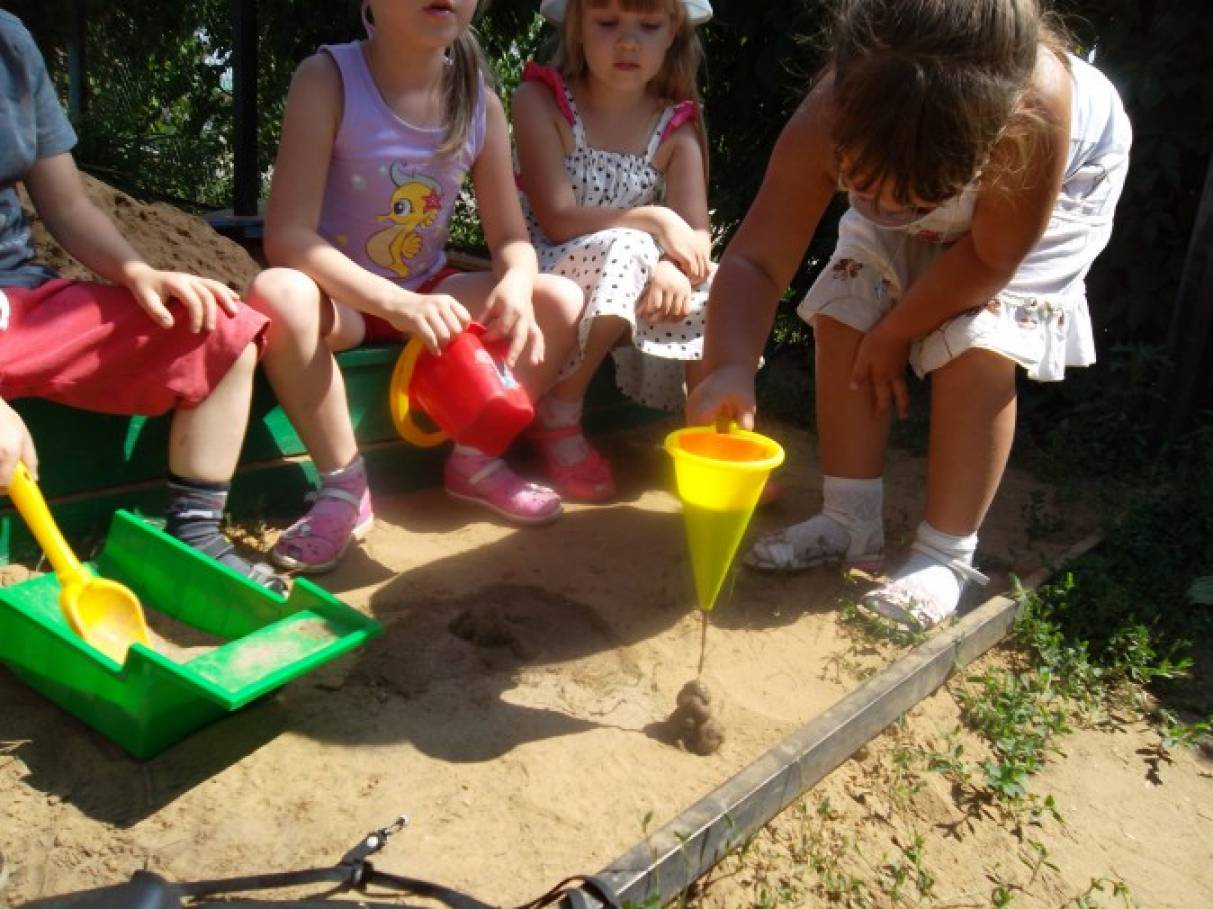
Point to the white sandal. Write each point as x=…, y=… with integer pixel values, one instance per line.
x=898, y=602
x=781, y=551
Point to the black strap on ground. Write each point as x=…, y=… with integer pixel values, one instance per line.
x=354, y=872
x=570, y=897
x=146, y=890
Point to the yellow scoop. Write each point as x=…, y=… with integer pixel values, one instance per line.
x=104, y=613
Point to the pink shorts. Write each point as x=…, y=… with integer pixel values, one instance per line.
x=92, y=346
x=380, y=331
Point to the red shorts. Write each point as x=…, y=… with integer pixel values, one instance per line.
x=380, y=331
x=92, y=346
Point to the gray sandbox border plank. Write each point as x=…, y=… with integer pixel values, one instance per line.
x=666, y=863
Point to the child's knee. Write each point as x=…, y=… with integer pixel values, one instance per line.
x=246, y=362
x=285, y=295
x=238, y=379
x=561, y=296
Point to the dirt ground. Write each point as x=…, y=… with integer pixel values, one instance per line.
x=883, y=831
x=532, y=747
x=532, y=751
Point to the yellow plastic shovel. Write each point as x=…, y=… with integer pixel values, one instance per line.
x=106, y=614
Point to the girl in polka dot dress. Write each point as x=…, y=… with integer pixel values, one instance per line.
x=612, y=165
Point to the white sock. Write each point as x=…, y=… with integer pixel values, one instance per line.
x=555, y=413
x=858, y=507
x=467, y=451
x=850, y=525
x=928, y=585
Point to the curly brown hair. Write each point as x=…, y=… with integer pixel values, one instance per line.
x=924, y=89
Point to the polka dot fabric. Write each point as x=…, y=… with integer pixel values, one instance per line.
x=613, y=266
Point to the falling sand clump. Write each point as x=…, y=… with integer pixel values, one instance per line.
x=692, y=720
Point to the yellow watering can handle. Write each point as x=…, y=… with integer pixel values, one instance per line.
x=28, y=498
x=402, y=375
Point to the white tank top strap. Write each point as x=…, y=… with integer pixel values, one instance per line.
x=579, y=140
x=659, y=132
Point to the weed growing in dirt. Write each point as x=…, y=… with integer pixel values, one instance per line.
x=1021, y=715
x=1117, y=888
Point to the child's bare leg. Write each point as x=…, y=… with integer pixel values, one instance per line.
x=851, y=434
x=204, y=441
x=299, y=363
x=558, y=305
x=973, y=408
x=573, y=466
x=305, y=327
x=972, y=428
x=204, y=446
x=852, y=437
x=604, y=334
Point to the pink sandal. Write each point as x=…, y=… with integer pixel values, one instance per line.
x=317, y=541
x=492, y=484
x=587, y=480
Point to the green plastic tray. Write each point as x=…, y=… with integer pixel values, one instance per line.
x=152, y=701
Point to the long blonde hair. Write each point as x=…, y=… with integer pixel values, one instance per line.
x=924, y=89
x=677, y=80
x=465, y=72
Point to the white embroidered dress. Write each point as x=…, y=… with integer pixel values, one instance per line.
x=1040, y=319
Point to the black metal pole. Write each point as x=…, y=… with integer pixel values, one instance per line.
x=77, y=71
x=247, y=187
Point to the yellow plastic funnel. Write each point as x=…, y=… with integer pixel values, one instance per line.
x=720, y=476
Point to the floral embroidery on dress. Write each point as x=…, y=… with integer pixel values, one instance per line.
x=846, y=268
x=1026, y=316
x=929, y=236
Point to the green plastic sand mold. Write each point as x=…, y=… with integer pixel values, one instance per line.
x=153, y=701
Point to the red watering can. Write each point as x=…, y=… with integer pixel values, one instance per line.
x=467, y=390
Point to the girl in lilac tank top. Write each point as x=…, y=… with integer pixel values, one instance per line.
x=377, y=138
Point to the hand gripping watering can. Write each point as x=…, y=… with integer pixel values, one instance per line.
x=720, y=475
x=467, y=390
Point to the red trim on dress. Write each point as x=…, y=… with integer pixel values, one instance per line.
x=684, y=112
x=534, y=72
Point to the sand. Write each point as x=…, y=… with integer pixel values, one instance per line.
x=166, y=236
x=515, y=707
